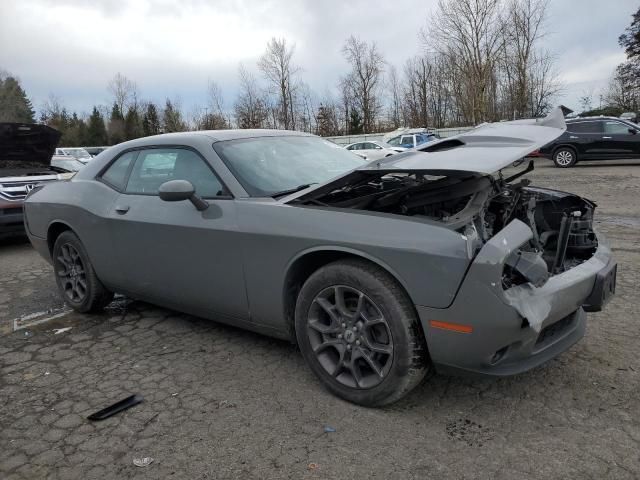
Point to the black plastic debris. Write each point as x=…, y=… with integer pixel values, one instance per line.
x=116, y=408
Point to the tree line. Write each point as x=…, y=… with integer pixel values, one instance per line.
x=481, y=60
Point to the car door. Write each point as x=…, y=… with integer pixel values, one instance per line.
x=586, y=137
x=407, y=141
x=373, y=151
x=169, y=252
x=619, y=141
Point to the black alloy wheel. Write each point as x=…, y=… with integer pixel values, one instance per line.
x=76, y=279
x=350, y=337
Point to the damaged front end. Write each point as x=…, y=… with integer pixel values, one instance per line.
x=536, y=263
x=479, y=206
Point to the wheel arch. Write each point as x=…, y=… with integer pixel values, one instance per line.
x=55, y=229
x=308, y=261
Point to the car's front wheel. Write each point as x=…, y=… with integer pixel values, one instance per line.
x=76, y=279
x=565, y=157
x=359, y=333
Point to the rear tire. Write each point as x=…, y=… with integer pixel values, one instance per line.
x=565, y=157
x=359, y=333
x=76, y=279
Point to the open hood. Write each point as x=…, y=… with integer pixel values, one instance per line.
x=486, y=149
x=26, y=146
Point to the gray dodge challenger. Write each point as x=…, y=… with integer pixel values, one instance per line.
x=381, y=272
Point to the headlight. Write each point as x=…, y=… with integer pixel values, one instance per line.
x=65, y=176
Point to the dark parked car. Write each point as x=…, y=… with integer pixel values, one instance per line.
x=381, y=271
x=593, y=138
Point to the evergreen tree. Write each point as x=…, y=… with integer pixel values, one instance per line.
x=630, y=40
x=96, y=130
x=116, y=125
x=150, y=121
x=132, y=124
x=172, y=118
x=14, y=104
x=327, y=122
x=355, y=122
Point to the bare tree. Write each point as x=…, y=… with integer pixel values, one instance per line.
x=395, y=97
x=212, y=117
x=470, y=34
x=524, y=25
x=367, y=67
x=306, y=110
x=543, y=85
x=278, y=69
x=124, y=91
x=251, y=109
x=215, y=100
x=417, y=72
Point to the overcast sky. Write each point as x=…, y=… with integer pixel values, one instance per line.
x=71, y=48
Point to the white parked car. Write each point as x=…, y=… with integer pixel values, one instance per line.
x=70, y=159
x=372, y=150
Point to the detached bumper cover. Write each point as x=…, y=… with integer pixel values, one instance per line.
x=520, y=328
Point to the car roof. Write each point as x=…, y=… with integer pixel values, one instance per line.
x=234, y=134
x=586, y=119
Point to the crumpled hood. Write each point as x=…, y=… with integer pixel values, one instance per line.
x=24, y=145
x=485, y=149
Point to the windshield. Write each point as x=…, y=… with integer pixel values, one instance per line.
x=267, y=165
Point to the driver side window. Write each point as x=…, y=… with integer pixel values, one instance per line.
x=155, y=166
x=616, y=128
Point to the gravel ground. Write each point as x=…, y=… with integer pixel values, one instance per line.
x=224, y=403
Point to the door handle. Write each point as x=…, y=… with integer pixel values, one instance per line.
x=608, y=138
x=573, y=137
x=122, y=209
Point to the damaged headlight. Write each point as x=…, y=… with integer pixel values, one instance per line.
x=524, y=266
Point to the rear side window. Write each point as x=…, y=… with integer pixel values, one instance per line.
x=116, y=174
x=585, y=127
x=155, y=166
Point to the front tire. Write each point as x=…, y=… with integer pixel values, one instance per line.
x=565, y=157
x=76, y=279
x=359, y=333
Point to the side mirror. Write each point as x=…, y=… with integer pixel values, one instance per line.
x=632, y=131
x=179, y=190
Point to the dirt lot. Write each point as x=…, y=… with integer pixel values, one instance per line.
x=224, y=403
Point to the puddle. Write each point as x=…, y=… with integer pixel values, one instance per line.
x=633, y=222
x=32, y=319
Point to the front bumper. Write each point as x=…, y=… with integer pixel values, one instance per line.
x=520, y=328
x=11, y=218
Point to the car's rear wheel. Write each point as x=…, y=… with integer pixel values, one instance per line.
x=76, y=279
x=359, y=333
x=565, y=157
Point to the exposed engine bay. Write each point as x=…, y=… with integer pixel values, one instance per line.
x=478, y=206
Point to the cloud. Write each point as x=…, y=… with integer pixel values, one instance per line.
x=73, y=47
